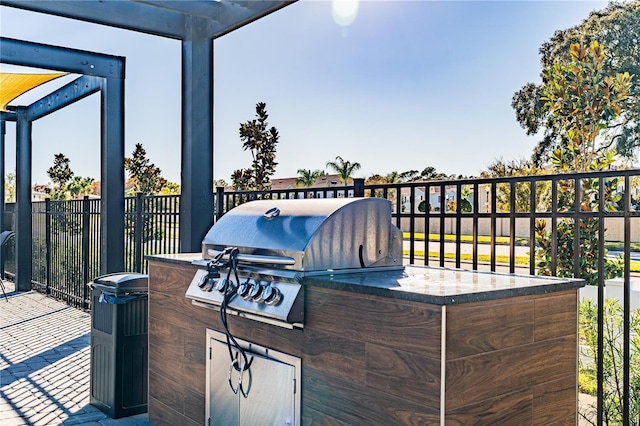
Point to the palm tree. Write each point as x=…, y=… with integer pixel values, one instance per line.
x=80, y=186
x=394, y=177
x=307, y=177
x=343, y=168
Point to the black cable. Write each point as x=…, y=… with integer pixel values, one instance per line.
x=228, y=291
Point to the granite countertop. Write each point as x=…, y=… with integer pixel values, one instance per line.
x=444, y=286
x=177, y=258
x=440, y=286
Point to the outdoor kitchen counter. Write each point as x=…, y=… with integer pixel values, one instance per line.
x=420, y=346
x=433, y=285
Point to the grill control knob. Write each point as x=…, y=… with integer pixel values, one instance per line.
x=265, y=291
x=273, y=297
x=255, y=292
x=220, y=285
x=210, y=284
x=244, y=288
x=204, y=279
x=270, y=295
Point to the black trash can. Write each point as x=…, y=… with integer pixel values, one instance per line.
x=119, y=344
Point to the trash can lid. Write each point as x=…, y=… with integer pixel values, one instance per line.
x=122, y=282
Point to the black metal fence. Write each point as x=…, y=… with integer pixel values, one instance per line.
x=66, y=241
x=573, y=225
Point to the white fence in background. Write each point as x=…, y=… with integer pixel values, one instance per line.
x=614, y=289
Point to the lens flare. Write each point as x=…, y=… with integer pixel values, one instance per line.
x=344, y=11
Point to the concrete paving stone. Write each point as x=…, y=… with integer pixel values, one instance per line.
x=60, y=376
x=66, y=398
x=81, y=419
x=5, y=407
x=80, y=406
x=72, y=407
x=20, y=368
x=60, y=392
x=9, y=413
x=50, y=418
x=138, y=420
x=83, y=398
x=34, y=403
x=16, y=392
x=17, y=421
x=27, y=414
x=36, y=365
x=86, y=407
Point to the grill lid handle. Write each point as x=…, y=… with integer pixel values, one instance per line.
x=255, y=258
x=271, y=213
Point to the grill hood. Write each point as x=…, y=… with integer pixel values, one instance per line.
x=310, y=235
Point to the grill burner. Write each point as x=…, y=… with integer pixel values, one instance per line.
x=257, y=254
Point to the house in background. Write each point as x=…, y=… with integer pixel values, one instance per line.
x=327, y=181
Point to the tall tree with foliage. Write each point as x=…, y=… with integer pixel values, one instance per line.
x=518, y=168
x=79, y=186
x=60, y=174
x=343, y=168
x=307, y=177
x=261, y=141
x=145, y=176
x=10, y=188
x=618, y=28
x=428, y=173
x=583, y=100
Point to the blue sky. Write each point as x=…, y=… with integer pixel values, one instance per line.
x=408, y=84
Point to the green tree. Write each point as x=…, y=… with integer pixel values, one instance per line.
x=430, y=173
x=618, y=28
x=343, y=168
x=79, y=186
x=308, y=177
x=10, y=188
x=220, y=183
x=465, y=196
x=170, y=188
x=261, y=141
x=518, y=168
x=583, y=100
x=145, y=176
x=60, y=174
x=394, y=177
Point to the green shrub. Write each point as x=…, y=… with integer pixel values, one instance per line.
x=612, y=360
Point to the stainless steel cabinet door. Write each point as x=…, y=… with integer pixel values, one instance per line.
x=223, y=404
x=270, y=389
x=266, y=392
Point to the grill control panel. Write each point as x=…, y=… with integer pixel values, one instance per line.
x=256, y=296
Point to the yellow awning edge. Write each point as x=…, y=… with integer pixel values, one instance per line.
x=13, y=85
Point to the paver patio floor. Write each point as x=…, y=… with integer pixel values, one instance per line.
x=44, y=364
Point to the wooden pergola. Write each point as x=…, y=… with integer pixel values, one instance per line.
x=196, y=24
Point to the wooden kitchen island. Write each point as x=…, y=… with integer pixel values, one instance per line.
x=423, y=346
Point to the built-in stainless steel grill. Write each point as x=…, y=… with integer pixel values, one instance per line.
x=257, y=253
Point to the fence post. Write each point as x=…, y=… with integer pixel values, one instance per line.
x=138, y=229
x=358, y=187
x=85, y=249
x=219, y=202
x=47, y=232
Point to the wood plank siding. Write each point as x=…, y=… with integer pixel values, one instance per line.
x=376, y=360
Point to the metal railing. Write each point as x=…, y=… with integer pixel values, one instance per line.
x=480, y=224
x=66, y=241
